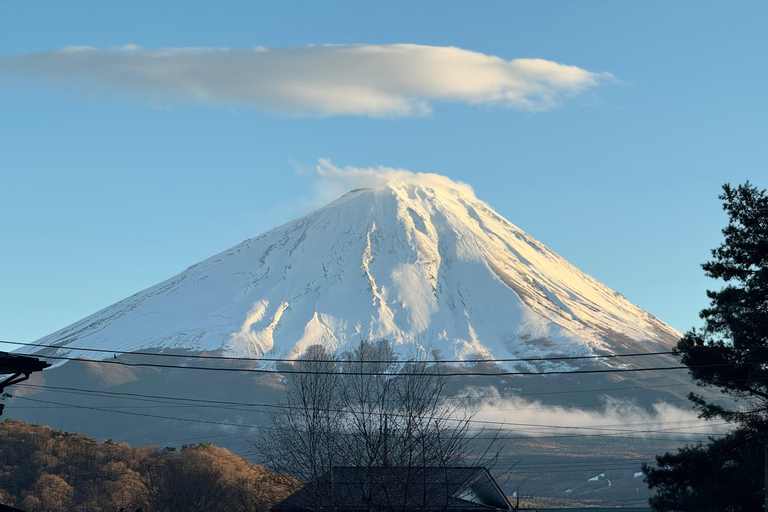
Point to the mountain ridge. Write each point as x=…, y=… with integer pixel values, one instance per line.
x=417, y=259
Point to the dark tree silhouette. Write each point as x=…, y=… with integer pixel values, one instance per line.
x=729, y=353
x=725, y=475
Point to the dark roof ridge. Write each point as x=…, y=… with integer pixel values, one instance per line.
x=405, y=488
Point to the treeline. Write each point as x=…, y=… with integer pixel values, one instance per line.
x=42, y=469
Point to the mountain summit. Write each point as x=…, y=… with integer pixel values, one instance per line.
x=417, y=259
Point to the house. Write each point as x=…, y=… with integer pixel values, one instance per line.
x=399, y=489
x=7, y=508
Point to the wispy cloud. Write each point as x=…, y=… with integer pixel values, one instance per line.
x=331, y=182
x=323, y=182
x=371, y=80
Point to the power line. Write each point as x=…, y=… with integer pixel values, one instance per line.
x=506, y=427
x=436, y=363
x=372, y=361
x=437, y=373
x=215, y=403
x=211, y=422
x=143, y=396
x=474, y=396
x=604, y=431
x=590, y=462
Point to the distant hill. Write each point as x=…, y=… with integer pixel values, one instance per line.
x=44, y=470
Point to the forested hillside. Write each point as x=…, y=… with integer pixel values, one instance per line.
x=42, y=469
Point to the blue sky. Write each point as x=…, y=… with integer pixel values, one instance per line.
x=107, y=190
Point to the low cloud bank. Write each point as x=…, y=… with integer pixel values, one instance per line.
x=614, y=418
x=395, y=80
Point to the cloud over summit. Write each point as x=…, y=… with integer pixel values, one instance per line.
x=334, y=181
x=396, y=80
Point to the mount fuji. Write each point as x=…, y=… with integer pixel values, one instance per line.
x=417, y=259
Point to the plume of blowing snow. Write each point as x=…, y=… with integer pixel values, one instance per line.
x=372, y=80
x=325, y=182
x=333, y=182
x=616, y=417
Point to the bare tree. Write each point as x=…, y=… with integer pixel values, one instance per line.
x=368, y=410
x=305, y=440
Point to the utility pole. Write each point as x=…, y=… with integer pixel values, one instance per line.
x=21, y=367
x=518, y=496
x=765, y=485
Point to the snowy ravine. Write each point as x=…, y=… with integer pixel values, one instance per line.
x=419, y=261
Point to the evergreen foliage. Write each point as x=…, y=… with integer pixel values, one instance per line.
x=724, y=475
x=731, y=354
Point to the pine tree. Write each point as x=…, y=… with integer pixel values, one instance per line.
x=731, y=351
x=731, y=354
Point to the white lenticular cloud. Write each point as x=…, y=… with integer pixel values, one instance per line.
x=372, y=80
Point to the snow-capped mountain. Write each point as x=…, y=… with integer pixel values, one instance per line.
x=420, y=261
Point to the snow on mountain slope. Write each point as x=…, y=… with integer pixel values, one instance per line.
x=418, y=260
